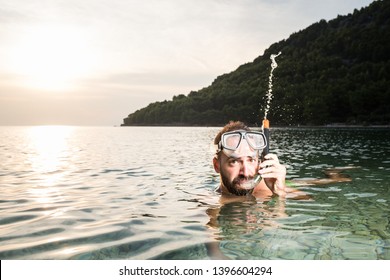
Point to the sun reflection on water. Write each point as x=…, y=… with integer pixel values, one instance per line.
x=49, y=159
x=50, y=147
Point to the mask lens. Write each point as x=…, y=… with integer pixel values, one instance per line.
x=255, y=140
x=231, y=141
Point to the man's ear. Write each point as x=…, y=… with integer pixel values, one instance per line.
x=216, y=164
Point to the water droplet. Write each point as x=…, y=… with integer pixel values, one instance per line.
x=269, y=93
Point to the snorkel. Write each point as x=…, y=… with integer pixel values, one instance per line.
x=265, y=126
x=266, y=134
x=257, y=178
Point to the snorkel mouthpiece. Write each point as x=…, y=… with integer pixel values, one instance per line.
x=251, y=184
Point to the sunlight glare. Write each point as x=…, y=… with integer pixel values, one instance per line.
x=51, y=151
x=52, y=57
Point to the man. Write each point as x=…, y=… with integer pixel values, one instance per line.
x=237, y=160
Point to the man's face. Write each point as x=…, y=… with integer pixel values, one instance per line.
x=238, y=170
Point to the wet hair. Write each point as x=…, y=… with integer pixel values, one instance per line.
x=231, y=126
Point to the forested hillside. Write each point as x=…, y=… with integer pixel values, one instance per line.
x=331, y=72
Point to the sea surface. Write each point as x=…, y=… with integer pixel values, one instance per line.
x=149, y=193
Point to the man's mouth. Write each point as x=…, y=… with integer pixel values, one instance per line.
x=243, y=182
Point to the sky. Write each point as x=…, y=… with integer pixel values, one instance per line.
x=93, y=62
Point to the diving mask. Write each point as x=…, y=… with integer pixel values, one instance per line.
x=231, y=143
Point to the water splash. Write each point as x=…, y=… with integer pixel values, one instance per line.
x=269, y=93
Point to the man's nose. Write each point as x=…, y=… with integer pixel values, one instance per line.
x=245, y=169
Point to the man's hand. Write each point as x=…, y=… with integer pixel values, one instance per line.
x=274, y=174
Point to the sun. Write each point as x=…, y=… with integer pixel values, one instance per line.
x=51, y=57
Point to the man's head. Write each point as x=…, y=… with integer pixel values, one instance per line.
x=237, y=156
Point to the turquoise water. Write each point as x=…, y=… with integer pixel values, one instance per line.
x=148, y=193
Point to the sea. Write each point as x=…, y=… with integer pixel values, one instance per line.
x=148, y=193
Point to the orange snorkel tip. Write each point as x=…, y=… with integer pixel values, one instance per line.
x=265, y=123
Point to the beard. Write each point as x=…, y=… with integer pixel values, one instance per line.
x=234, y=187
